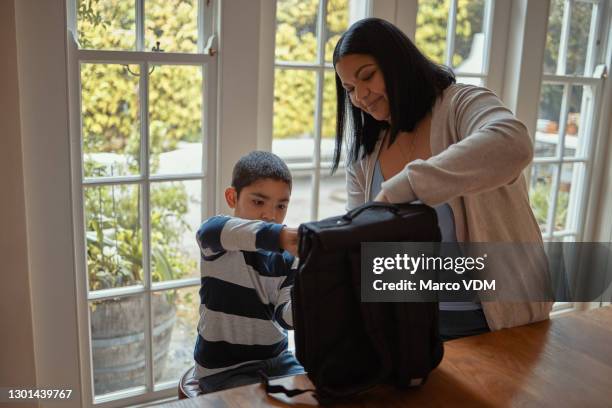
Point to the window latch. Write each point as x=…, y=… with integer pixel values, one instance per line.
x=156, y=47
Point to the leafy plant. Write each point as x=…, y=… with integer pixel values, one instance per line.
x=539, y=197
x=114, y=234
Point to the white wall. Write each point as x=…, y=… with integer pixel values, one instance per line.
x=525, y=54
x=238, y=87
x=41, y=48
x=398, y=12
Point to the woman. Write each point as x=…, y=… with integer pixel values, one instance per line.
x=414, y=134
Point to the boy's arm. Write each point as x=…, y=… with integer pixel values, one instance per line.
x=283, y=313
x=222, y=233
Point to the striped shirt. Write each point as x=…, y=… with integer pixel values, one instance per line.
x=245, y=299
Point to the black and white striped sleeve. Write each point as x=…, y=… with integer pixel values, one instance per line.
x=222, y=233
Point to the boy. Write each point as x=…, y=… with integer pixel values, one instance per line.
x=248, y=273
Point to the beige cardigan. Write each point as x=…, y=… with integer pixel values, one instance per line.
x=479, y=150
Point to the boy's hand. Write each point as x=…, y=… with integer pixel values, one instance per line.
x=289, y=240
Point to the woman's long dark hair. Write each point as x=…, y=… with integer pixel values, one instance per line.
x=412, y=82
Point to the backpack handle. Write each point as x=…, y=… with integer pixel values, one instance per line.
x=280, y=389
x=351, y=215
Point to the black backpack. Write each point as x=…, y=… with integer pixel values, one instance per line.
x=346, y=346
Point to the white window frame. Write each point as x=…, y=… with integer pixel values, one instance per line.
x=450, y=40
x=204, y=58
x=268, y=67
x=514, y=28
x=592, y=82
x=579, y=221
x=403, y=13
x=497, y=53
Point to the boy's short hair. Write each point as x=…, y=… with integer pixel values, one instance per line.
x=259, y=165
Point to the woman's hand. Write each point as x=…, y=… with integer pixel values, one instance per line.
x=381, y=197
x=289, y=240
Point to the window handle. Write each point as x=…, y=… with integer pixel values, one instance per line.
x=600, y=71
x=211, y=46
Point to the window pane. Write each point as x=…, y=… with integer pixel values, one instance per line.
x=114, y=236
x=175, y=320
x=301, y=199
x=337, y=23
x=174, y=23
x=539, y=192
x=580, y=25
x=430, y=36
x=578, y=38
x=580, y=101
x=328, y=135
x=470, y=42
x=553, y=36
x=470, y=80
x=106, y=24
x=328, y=139
x=565, y=189
x=176, y=212
x=117, y=342
x=175, y=119
x=296, y=30
x=293, y=123
x=547, y=138
x=332, y=194
x=110, y=120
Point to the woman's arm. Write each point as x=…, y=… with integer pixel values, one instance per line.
x=493, y=149
x=355, y=186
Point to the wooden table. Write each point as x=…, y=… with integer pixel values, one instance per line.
x=564, y=362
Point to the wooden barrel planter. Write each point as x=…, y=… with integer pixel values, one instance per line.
x=118, y=345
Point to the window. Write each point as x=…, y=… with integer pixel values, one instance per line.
x=143, y=167
x=457, y=33
x=304, y=121
x=566, y=128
